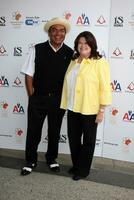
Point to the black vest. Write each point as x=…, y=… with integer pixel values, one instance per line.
x=50, y=68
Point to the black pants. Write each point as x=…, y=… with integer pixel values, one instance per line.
x=82, y=137
x=38, y=108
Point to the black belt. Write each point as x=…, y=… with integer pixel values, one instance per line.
x=48, y=94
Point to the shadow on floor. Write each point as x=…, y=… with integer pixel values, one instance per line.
x=96, y=175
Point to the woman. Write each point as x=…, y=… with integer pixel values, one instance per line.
x=86, y=93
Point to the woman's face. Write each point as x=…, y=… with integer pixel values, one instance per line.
x=83, y=48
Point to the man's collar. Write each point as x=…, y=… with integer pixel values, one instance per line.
x=53, y=47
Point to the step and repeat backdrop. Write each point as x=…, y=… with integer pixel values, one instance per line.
x=112, y=23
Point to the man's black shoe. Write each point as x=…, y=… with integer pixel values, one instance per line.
x=53, y=166
x=28, y=169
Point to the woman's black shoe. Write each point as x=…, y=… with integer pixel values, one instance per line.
x=76, y=177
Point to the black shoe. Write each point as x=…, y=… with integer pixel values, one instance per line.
x=76, y=178
x=28, y=169
x=53, y=166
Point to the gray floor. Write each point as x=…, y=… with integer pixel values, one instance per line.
x=108, y=180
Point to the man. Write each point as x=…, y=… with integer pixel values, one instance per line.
x=44, y=72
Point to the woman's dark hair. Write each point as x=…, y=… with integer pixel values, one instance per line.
x=91, y=41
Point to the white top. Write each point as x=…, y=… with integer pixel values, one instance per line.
x=71, y=80
x=29, y=66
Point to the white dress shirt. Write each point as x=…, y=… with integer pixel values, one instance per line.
x=71, y=80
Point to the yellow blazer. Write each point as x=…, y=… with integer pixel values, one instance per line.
x=92, y=86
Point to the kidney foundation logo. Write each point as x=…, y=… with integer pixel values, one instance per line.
x=126, y=143
x=4, y=109
x=19, y=135
x=114, y=115
x=3, y=51
x=67, y=15
x=16, y=19
x=101, y=21
x=130, y=88
x=117, y=53
x=17, y=82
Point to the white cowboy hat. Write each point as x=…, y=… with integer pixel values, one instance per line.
x=59, y=21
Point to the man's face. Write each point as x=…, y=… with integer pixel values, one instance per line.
x=57, y=34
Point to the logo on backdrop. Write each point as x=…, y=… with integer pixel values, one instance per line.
x=98, y=142
x=17, y=82
x=130, y=88
x=103, y=53
x=128, y=116
x=18, y=109
x=83, y=20
x=3, y=51
x=117, y=53
x=67, y=15
x=17, y=51
x=29, y=47
x=131, y=22
x=101, y=21
x=113, y=115
x=126, y=144
x=16, y=19
x=19, y=135
x=4, y=82
x=31, y=21
x=118, y=21
x=111, y=144
x=132, y=54
x=4, y=109
x=2, y=21
x=63, y=139
x=116, y=86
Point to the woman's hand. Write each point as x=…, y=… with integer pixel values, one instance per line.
x=99, y=117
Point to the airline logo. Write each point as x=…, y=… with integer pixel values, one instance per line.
x=4, y=82
x=128, y=116
x=83, y=20
x=18, y=109
x=116, y=86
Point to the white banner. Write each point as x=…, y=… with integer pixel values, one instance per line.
x=21, y=25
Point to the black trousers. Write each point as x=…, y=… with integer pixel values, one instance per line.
x=82, y=137
x=38, y=108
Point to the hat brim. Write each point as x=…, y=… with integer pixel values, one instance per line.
x=57, y=21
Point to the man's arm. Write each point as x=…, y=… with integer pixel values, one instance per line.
x=29, y=84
